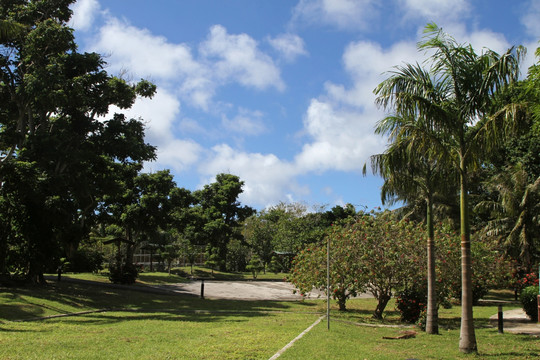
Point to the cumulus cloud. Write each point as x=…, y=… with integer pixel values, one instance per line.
x=342, y=140
x=237, y=58
x=84, y=13
x=341, y=122
x=343, y=14
x=289, y=45
x=246, y=122
x=144, y=53
x=530, y=19
x=436, y=10
x=179, y=154
x=222, y=59
x=267, y=178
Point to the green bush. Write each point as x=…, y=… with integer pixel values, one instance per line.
x=85, y=260
x=255, y=266
x=529, y=300
x=123, y=274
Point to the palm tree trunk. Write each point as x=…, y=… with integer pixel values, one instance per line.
x=432, y=318
x=467, y=340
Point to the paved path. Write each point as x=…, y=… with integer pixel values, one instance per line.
x=517, y=322
x=241, y=290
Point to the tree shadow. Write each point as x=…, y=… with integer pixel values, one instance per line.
x=26, y=303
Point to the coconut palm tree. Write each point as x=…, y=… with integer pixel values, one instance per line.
x=467, y=83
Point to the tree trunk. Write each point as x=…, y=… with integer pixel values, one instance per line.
x=432, y=319
x=381, y=305
x=467, y=340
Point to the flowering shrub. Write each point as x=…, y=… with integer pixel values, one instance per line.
x=410, y=304
x=520, y=283
x=377, y=253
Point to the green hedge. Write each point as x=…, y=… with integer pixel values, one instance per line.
x=529, y=299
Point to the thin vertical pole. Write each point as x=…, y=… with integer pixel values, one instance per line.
x=328, y=283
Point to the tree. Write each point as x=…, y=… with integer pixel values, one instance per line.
x=410, y=173
x=469, y=83
x=374, y=253
x=259, y=232
x=515, y=221
x=219, y=214
x=10, y=29
x=51, y=98
x=169, y=253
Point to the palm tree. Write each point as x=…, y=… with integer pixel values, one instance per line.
x=411, y=174
x=10, y=29
x=467, y=83
x=517, y=221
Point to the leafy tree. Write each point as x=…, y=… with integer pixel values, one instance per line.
x=51, y=98
x=255, y=266
x=259, y=232
x=145, y=206
x=219, y=215
x=376, y=253
x=169, y=253
x=470, y=83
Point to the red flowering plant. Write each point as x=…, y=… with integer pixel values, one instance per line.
x=519, y=283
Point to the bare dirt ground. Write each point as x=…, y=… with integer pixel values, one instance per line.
x=241, y=290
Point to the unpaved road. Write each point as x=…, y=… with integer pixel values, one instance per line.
x=241, y=290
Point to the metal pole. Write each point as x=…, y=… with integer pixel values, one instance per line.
x=501, y=322
x=328, y=283
x=202, y=288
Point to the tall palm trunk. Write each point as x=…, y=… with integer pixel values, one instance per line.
x=467, y=340
x=432, y=319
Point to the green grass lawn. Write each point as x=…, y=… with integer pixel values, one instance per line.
x=153, y=326
x=179, y=275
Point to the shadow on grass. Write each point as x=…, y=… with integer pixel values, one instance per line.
x=26, y=303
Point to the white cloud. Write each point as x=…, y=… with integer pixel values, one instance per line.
x=237, y=58
x=246, y=122
x=143, y=53
x=84, y=13
x=343, y=14
x=159, y=114
x=342, y=140
x=436, y=10
x=222, y=59
x=341, y=122
x=267, y=178
x=531, y=17
x=289, y=45
x=179, y=154
x=367, y=63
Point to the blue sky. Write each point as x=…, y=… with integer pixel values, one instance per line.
x=279, y=92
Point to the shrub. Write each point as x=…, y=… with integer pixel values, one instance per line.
x=123, y=274
x=255, y=266
x=85, y=260
x=410, y=304
x=529, y=300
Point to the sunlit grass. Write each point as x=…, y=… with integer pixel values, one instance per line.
x=141, y=325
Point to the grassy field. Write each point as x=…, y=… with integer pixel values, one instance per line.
x=149, y=326
x=181, y=274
